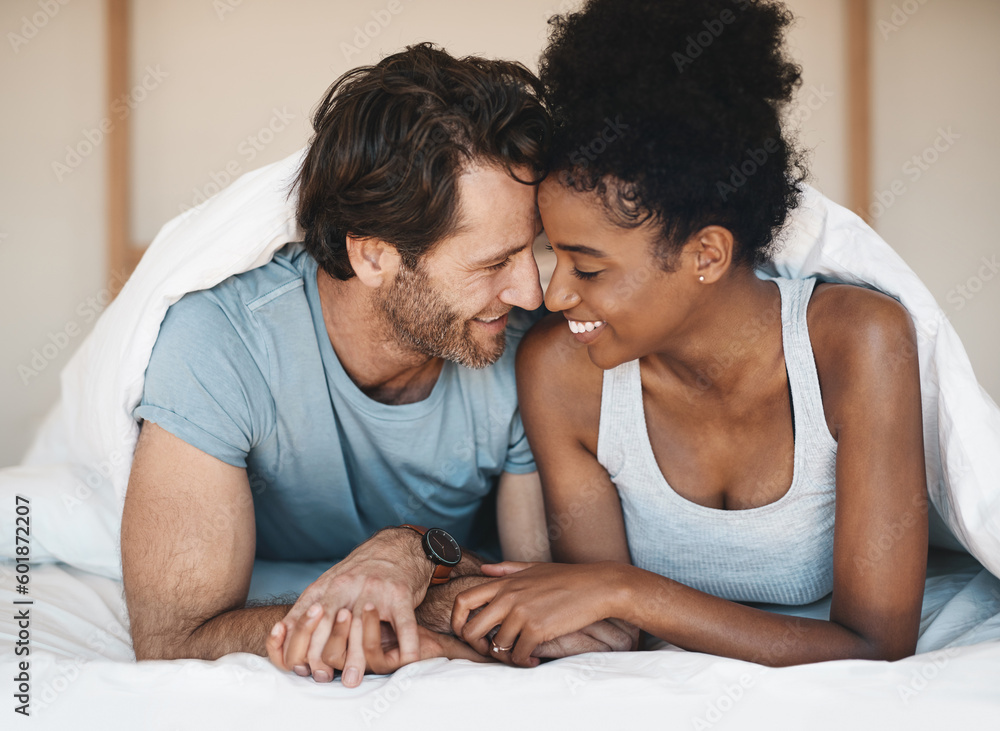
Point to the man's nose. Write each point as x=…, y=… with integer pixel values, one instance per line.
x=560, y=294
x=525, y=290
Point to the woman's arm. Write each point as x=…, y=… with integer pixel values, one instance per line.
x=866, y=356
x=559, y=394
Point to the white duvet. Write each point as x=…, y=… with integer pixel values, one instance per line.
x=83, y=677
x=76, y=475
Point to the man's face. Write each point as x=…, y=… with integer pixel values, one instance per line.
x=454, y=305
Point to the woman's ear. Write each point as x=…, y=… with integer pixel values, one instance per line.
x=374, y=261
x=710, y=253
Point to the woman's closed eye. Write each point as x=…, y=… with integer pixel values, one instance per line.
x=585, y=276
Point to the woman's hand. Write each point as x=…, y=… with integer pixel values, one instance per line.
x=535, y=603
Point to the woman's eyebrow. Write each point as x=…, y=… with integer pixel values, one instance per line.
x=581, y=249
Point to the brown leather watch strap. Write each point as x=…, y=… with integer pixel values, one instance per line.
x=441, y=574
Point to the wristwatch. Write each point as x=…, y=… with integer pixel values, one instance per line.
x=443, y=551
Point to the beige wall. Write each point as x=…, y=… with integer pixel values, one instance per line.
x=939, y=69
x=210, y=76
x=51, y=229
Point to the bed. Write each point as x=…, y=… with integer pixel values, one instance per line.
x=83, y=674
x=81, y=671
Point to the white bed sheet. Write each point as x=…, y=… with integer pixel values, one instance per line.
x=83, y=675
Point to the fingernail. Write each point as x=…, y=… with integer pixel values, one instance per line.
x=276, y=630
x=343, y=615
x=369, y=607
x=301, y=670
x=314, y=610
x=322, y=676
x=351, y=677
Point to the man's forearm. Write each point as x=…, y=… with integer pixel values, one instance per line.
x=238, y=630
x=468, y=566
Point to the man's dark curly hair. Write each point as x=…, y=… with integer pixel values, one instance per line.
x=671, y=111
x=392, y=140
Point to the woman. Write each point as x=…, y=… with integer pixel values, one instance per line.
x=706, y=438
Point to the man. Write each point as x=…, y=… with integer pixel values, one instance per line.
x=357, y=381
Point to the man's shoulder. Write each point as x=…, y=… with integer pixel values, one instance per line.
x=238, y=297
x=252, y=289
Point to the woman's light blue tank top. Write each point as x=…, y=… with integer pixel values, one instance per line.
x=780, y=553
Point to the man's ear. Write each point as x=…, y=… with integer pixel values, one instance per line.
x=375, y=262
x=710, y=254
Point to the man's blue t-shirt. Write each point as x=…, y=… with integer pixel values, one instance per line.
x=246, y=372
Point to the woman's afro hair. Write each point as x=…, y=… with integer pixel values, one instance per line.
x=670, y=110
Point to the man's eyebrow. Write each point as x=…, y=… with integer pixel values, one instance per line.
x=504, y=255
x=581, y=249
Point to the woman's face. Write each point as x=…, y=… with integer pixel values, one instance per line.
x=608, y=282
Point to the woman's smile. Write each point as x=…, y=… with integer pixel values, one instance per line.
x=586, y=331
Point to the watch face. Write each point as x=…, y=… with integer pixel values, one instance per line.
x=444, y=548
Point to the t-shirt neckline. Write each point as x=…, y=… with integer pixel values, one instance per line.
x=338, y=378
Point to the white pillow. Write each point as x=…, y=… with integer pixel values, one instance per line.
x=73, y=516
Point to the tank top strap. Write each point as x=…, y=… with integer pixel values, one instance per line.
x=800, y=363
x=622, y=422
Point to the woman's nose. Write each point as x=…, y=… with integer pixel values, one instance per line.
x=560, y=294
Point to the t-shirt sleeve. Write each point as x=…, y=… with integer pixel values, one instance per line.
x=204, y=382
x=520, y=460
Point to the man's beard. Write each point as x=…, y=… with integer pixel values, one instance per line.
x=420, y=319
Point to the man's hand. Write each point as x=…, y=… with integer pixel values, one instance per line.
x=534, y=604
x=391, y=573
x=608, y=635
x=383, y=656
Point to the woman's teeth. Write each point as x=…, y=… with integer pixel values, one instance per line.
x=584, y=327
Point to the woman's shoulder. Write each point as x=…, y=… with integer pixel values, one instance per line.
x=555, y=370
x=860, y=338
x=856, y=319
x=549, y=353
